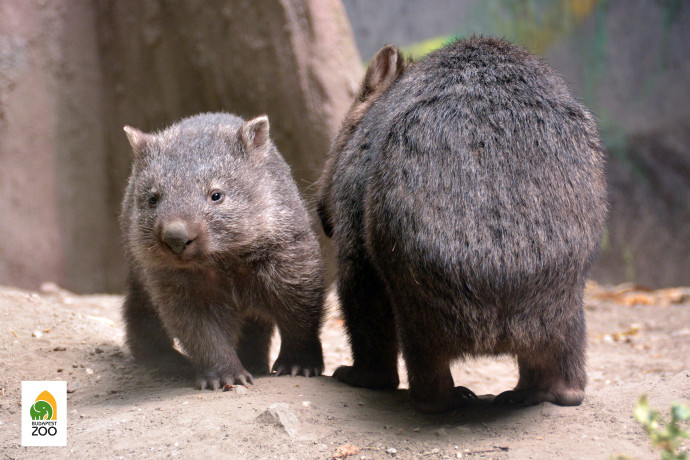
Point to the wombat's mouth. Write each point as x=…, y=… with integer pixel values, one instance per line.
x=191, y=258
x=188, y=258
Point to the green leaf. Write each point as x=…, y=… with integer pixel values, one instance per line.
x=680, y=412
x=642, y=411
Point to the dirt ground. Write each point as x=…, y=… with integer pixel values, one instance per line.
x=639, y=342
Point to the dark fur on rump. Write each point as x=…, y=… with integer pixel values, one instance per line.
x=219, y=250
x=466, y=197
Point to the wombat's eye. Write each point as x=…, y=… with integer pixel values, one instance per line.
x=153, y=200
x=216, y=196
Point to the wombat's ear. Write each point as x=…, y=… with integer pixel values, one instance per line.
x=138, y=140
x=385, y=67
x=254, y=133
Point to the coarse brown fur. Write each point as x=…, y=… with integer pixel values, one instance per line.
x=465, y=194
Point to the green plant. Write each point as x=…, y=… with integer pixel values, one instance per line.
x=666, y=436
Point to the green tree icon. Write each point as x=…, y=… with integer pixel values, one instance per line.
x=41, y=410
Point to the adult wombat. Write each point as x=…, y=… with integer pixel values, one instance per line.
x=465, y=194
x=219, y=250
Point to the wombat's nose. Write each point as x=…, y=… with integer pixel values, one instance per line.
x=177, y=236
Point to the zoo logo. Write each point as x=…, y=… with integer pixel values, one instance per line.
x=44, y=409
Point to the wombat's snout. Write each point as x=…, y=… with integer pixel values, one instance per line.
x=178, y=236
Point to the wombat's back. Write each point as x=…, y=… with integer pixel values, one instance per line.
x=488, y=175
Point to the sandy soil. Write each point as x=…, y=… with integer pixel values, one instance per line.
x=639, y=342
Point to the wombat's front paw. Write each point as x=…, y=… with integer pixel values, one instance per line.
x=378, y=379
x=306, y=363
x=214, y=379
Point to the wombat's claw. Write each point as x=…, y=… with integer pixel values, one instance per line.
x=244, y=380
x=202, y=384
x=213, y=382
x=279, y=370
x=464, y=393
x=308, y=363
x=294, y=370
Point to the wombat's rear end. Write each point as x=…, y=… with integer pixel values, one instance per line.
x=479, y=202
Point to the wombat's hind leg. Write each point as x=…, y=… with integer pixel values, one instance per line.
x=547, y=389
x=146, y=338
x=559, y=380
x=531, y=396
x=370, y=326
x=429, y=402
x=431, y=384
x=254, y=345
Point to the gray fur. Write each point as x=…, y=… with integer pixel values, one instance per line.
x=218, y=275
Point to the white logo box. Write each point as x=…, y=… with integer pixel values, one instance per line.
x=44, y=422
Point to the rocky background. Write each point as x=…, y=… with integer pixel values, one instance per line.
x=73, y=72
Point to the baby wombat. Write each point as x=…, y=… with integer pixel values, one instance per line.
x=465, y=194
x=220, y=250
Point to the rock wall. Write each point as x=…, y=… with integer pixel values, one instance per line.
x=73, y=72
x=54, y=206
